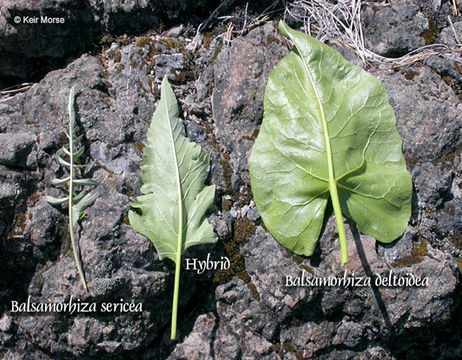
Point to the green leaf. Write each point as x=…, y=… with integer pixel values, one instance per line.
x=79, y=153
x=328, y=131
x=80, y=166
x=76, y=204
x=175, y=200
x=55, y=201
x=76, y=198
x=59, y=182
x=79, y=207
x=62, y=161
x=82, y=182
x=78, y=138
x=65, y=149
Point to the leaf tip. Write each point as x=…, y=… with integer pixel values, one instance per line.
x=283, y=28
x=165, y=79
x=130, y=216
x=72, y=92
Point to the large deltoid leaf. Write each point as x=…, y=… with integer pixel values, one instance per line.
x=321, y=109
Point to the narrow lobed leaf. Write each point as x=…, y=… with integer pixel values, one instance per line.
x=76, y=204
x=83, y=182
x=79, y=196
x=77, y=139
x=65, y=149
x=79, y=166
x=79, y=153
x=85, y=202
x=56, y=201
x=62, y=161
x=59, y=182
x=175, y=199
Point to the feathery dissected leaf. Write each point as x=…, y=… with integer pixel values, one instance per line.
x=328, y=131
x=77, y=202
x=175, y=199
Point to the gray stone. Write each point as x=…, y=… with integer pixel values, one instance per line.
x=176, y=31
x=427, y=111
x=199, y=343
x=20, y=355
x=240, y=73
x=165, y=64
x=15, y=148
x=394, y=29
x=446, y=68
x=349, y=334
x=253, y=214
x=451, y=35
x=399, y=249
x=5, y=323
x=433, y=185
x=25, y=46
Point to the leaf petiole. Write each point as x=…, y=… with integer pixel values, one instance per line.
x=176, y=291
x=339, y=220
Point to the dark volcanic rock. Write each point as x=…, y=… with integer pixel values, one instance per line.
x=248, y=311
x=25, y=29
x=240, y=74
x=29, y=42
x=446, y=68
x=428, y=113
x=15, y=148
x=395, y=28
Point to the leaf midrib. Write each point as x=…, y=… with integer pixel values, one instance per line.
x=330, y=166
x=322, y=110
x=179, y=192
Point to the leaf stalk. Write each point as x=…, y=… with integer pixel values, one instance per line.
x=339, y=221
x=176, y=291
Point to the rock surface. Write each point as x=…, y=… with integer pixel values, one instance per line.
x=395, y=28
x=26, y=30
x=247, y=311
